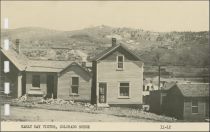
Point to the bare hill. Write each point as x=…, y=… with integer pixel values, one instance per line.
x=173, y=48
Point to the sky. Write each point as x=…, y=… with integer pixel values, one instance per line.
x=160, y=16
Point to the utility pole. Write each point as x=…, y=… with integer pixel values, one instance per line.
x=159, y=77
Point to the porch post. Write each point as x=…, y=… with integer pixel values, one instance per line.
x=19, y=84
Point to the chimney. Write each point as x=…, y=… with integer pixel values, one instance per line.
x=84, y=60
x=83, y=64
x=17, y=45
x=114, y=42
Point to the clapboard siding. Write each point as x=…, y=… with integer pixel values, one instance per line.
x=180, y=107
x=132, y=73
x=188, y=115
x=43, y=81
x=173, y=104
x=13, y=77
x=65, y=81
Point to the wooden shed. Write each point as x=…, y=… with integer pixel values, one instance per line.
x=188, y=101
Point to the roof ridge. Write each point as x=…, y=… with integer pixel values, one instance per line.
x=110, y=49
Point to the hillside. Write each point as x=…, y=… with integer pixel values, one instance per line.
x=166, y=48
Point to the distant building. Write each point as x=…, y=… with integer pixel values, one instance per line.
x=117, y=77
x=188, y=102
x=148, y=86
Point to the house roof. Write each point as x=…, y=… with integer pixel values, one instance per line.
x=194, y=90
x=18, y=59
x=46, y=65
x=77, y=64
x=23, y=63
x=168, y=85
x=113, y=48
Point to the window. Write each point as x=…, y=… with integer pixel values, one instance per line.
x=120, y=60
x=194, y=106
x=36, y=81
x=124, y=89
x=102, y=92
x=147, y=88
x=75, y=85
x=143, y=88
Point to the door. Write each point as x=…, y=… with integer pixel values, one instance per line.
x=102, y=92
x=50, y=86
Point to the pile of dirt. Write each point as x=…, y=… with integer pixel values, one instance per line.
x=21, y=99
x=54, y=101
x=62, y=101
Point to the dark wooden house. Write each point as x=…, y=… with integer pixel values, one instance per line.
x=156, y=98
x=188, y=101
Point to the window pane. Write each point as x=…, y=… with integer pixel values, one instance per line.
x=124, y=91
x=36, y=81
x=74, y=89
x=75, y=81
x=120, y=58
x=194, y=103
x=102, y=85
x=147, y=88
x=101, y=90
x=194, y=109
x=102, y=99
x=124, y=84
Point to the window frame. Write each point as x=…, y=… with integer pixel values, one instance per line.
x=194, y=106
x=129, y=92
x=73, y=93
x=120, y=62
x=39, y=81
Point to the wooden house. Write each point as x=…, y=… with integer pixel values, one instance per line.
x=117, y=77
x=15, y=74
x=50, y=79
x=188, y=101
x=42, y=77
x=74, y=83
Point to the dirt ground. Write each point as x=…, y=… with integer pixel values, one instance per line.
x=35, y=114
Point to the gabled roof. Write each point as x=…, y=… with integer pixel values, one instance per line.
x=113, y=48
x=76, y=64
x=168, y=85
x=194, y=89
x=19, y=60
x=24, y=64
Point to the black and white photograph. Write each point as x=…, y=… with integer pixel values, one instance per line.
x=83, y=64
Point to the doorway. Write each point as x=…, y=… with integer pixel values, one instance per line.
x=50, y=86
x=102, y=92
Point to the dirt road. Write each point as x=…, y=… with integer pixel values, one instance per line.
x=34, y=114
